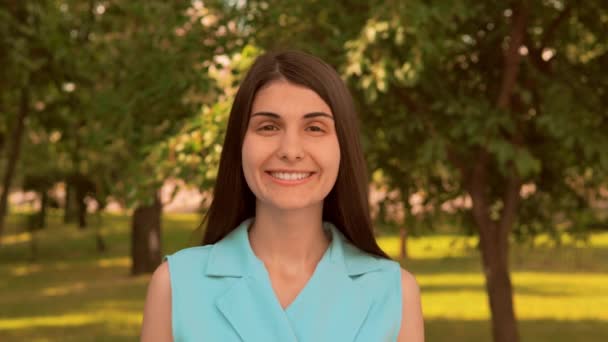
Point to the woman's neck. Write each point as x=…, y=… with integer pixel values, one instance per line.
x=291, y=241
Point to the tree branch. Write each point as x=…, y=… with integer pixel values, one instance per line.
x=535, y=54
x=550, y=32
x=512, y=58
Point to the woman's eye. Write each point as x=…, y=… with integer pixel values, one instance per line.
x=267, y=128
x=315, y=129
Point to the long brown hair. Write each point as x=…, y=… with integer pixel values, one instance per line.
x=346, y=206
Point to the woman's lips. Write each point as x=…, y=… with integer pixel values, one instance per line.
x=289, y=182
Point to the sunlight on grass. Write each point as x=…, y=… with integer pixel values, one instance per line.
x=461, y=305
x=441, y=246
x=23, y=270
x=599, y=239
x=73, y=319
x=537, y=296
x=430, y=247
x=63, y=290
x=451, y=279
x=113, y=262
x=59, y=321
x=16, y=238
x=188, y=218
x=562, y=296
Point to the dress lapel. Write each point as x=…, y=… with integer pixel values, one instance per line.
x=252, y=312
x=331, y=307
x=249, y=305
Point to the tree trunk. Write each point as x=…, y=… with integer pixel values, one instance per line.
x=494, y=236
x=33, y=245
x=101, y=205
x=145, y=238
x=44, y=202
x=99, y=241
x=13, y=155
x=494, y=242
x=408, y=222
x=81, y=193
x=403, y=243
x=69, y=214
x=498, y=287
x=78, y=186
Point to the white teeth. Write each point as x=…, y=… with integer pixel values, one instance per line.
x=290, y=176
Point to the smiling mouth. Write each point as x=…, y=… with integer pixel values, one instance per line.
x=289, y=176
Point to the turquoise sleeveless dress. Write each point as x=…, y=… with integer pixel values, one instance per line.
x=222, y=292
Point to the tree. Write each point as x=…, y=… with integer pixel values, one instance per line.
x=492, y=96
x=33, y=46
x=158, y=53
x=15, y=17
x=114, y=79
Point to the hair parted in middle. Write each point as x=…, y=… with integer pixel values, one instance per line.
x=346, y=206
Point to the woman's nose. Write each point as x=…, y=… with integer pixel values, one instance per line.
x=290, y=147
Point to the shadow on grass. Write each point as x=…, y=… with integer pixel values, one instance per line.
x=519, y=290
x=92, y=332
x=66, y=242
x=437, y=330
x=440, y=330
x=44, y=294
x=71, y=277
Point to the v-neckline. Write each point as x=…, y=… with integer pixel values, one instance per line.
x=301, y=293
x=307, y=285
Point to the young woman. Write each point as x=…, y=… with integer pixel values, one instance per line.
x=288, y=253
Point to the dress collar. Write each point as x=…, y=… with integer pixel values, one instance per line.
x=233, y=256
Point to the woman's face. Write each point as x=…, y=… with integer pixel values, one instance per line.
x=290, y=153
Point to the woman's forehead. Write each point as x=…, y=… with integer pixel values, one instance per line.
x=288, y=99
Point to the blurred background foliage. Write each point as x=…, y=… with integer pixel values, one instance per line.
x=483, y=123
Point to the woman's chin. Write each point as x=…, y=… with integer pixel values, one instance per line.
x=292, y=204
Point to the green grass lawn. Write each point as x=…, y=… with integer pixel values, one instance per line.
x=73, y=293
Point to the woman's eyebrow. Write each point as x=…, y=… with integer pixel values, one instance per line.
x=269, y=114
x=316, y=114
x=306, y=116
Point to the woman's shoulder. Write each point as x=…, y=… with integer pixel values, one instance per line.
x=189, y=254
x=358, y=261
